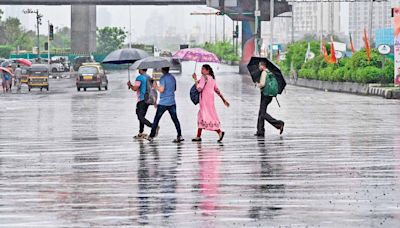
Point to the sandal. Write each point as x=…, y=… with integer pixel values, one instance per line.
x=221, y=137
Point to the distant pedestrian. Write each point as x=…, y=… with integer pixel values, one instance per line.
x=6, y=79
x=140, y=87
x=10, y=81
x=3, y=81
x=207, y=117
x=18, y=75
x=265, y=101
x=167, y=90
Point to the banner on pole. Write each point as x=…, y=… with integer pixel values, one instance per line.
x=396, y=12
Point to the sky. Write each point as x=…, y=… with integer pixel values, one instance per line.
x=118, y=16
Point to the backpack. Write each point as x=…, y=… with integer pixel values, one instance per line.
x=150, y=97
x=271, y=86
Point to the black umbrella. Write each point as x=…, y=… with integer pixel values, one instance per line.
x=151, y=62
x=125, y=56
x=255, y=72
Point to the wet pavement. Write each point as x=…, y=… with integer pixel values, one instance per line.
x=67, y=159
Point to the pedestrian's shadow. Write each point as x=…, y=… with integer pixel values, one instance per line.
x=157, y=182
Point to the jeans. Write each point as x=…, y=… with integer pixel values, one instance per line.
x=141, y=110
x=264, y=116
x=161, y=109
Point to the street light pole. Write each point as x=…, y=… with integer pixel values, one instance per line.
x=370, y=19
x=256, y=15
x=130, y=27
x=272, y=28
x=38, y=23
x=48, y=45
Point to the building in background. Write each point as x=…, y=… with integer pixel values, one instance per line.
x=359, y=20
x=339, y=18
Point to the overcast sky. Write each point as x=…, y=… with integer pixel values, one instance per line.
x=119, y=16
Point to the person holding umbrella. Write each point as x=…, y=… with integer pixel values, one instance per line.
x=265, y=101
x=140, y=87
x=207, y=118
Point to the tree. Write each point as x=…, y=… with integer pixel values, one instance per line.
x=12, y=29
x=62, y=38
x=110, y=38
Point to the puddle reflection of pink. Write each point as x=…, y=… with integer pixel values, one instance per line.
x=209, y=180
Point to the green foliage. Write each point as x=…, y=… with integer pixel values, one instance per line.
x=354, y=69
x=5, y=51
x=369, y=74
x=307, y=73
x=224, y=50
x=110, y=38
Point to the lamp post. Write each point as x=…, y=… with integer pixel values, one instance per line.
x=38, y=23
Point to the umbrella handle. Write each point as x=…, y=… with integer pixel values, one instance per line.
x=195, y=66
x=129, y=77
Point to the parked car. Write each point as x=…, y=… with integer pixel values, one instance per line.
x=91, y=75
x=63, y=60
x=38, y=77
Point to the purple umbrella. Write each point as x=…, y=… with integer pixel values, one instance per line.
x=196, y=55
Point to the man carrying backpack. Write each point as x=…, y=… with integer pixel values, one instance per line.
x=268, y=87
x=142, y=88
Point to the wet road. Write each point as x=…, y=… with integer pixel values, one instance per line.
x=67, y=159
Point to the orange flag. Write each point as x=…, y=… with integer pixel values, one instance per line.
x=333, y=55
x=325, y=51
x=367, y=48
x=351, y=44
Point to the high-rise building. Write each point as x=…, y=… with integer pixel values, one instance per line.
x=310, y=18
x=338, y=18
x=359, y=19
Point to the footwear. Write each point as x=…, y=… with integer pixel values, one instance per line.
x=140, y=136
x=221, y=137
x=178, y=140
x=157, y=130
x=281, y=128
x=150, y=139
x=197, y=139
x=259, y=135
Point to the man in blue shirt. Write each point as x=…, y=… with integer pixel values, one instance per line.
x=140, y=87
x=167, y=103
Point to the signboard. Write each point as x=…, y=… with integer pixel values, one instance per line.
x=384, y=49
x=340, y=46
x=396, y=14
x=339, y=54
x=310, y=55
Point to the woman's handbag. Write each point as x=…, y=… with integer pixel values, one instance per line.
x=195, y=94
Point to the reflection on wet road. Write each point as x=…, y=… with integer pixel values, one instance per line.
x=67, y=159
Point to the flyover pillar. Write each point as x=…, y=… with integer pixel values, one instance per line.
x=83, y=28
x=247, y=45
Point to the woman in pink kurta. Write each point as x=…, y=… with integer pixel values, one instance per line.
x=207, y=118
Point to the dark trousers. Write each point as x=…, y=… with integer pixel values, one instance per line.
x=161, y=109
x=141, y=110
x=264, y=116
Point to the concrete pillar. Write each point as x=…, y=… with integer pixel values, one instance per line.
x=83, y=28
x=247, y=45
